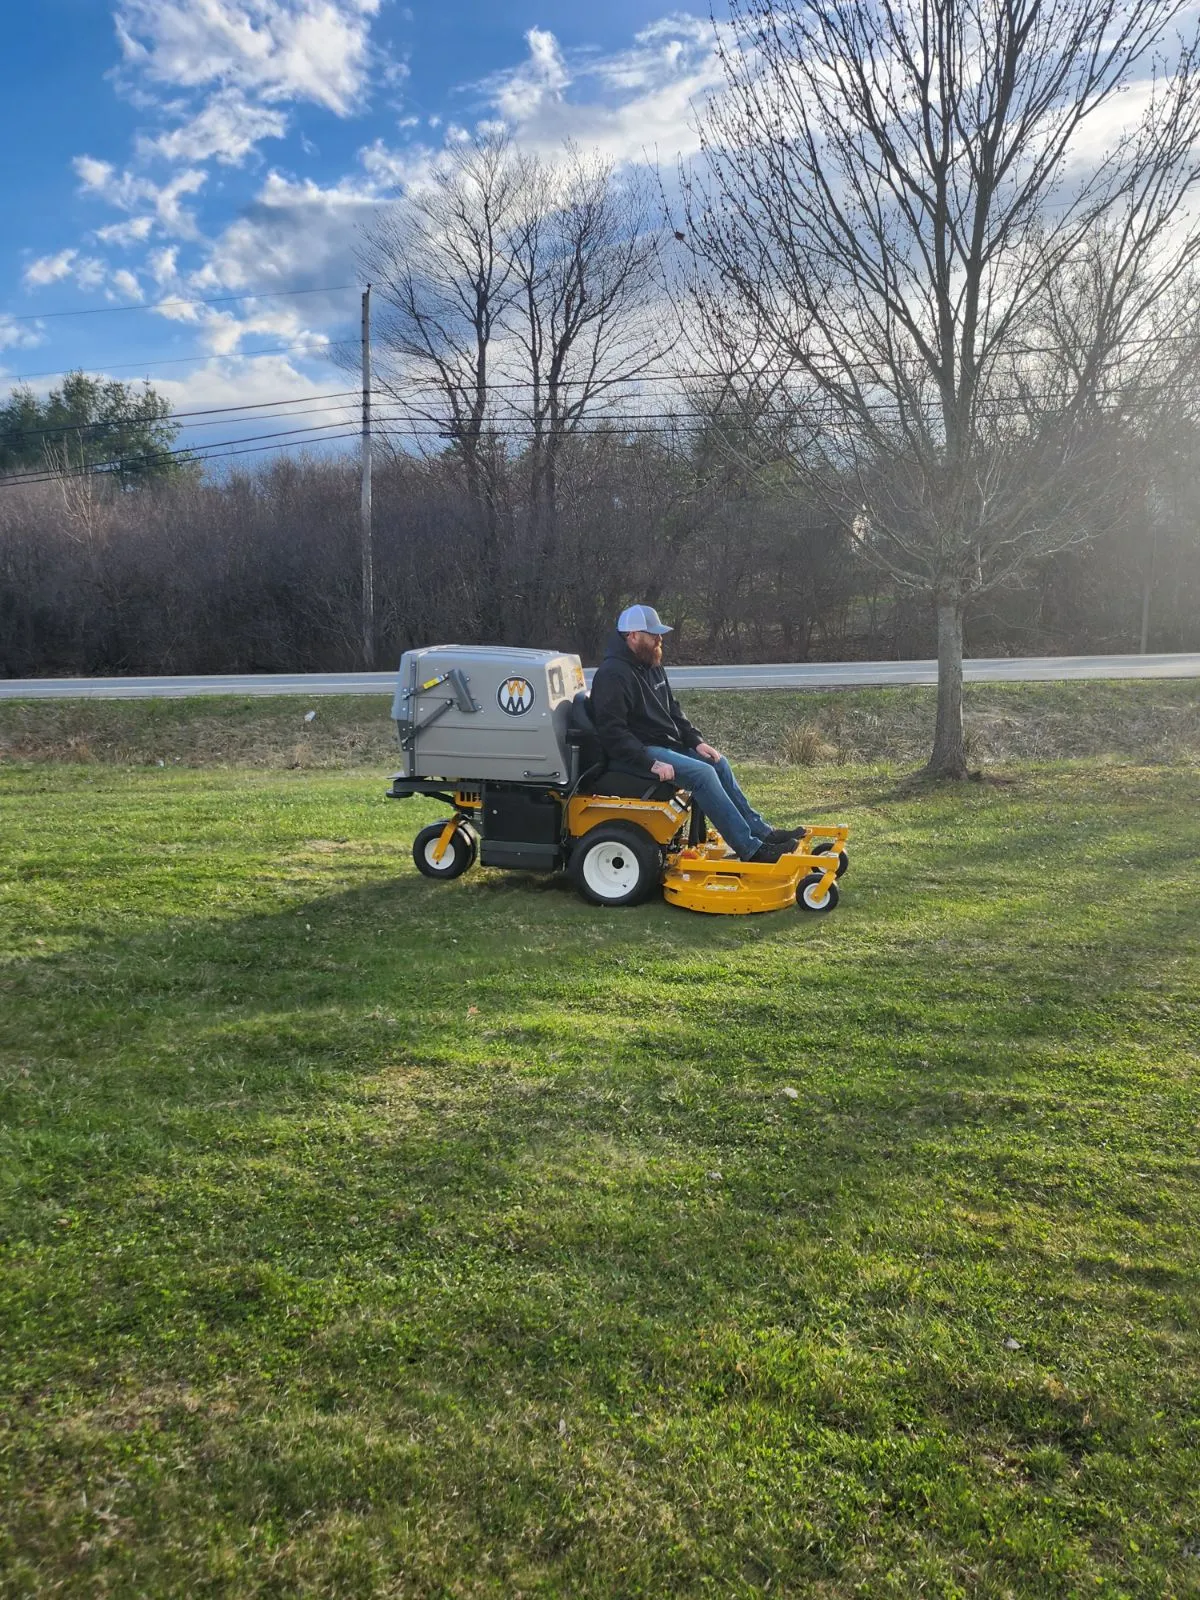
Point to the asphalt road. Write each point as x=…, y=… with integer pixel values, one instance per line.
x=782, y=675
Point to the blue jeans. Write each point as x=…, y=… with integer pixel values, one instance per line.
x=719, y=797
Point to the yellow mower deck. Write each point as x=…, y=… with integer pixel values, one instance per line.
x=708, y=878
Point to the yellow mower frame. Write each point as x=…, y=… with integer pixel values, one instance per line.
x=699, y=876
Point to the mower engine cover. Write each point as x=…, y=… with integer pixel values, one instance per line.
x=474, y=713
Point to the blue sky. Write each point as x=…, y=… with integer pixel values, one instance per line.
x=194, y=149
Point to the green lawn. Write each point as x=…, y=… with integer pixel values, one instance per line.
x=365, y=1236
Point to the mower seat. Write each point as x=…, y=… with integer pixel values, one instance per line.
x=590, y=771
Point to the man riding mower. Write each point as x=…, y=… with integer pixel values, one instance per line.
x=504, y=737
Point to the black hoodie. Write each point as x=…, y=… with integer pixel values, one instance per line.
x=632, y=707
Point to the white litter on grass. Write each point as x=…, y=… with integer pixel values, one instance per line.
x=1012, y=1344
x=792, y=1094
x=310, y=716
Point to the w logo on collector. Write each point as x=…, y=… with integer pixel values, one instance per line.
x=515, y=696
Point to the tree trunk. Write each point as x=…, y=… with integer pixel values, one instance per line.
x=949, y=758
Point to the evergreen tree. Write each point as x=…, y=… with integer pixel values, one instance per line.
x=91, y=424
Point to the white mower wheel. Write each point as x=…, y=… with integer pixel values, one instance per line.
x=458, y=855
x=616, y=864
x=811, y=897
x=823, y=847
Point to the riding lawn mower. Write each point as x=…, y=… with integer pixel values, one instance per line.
x=504, y=738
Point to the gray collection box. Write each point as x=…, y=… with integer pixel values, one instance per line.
x=485, y=712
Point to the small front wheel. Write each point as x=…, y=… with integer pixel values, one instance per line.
x=810, y=896
x=458, y=855
x=823, y=847
x=616, y=864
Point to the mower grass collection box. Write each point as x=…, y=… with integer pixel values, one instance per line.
x=504, y=737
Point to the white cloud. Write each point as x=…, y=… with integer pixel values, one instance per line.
x=661, y=53
x=624, y=105
x=522, y=93
x=225, y=330
x=231, y=65
x=163, y=265
x=172, y=216
x=228, y=128
x=94, y=176
x=49, y=269
x=244, y=380
x=126, y=286
x=220, y=77
x=16, y=335
x=259, y=380
x=315, y=50
x=88, y=272
x=389, y=169
x=295, y=234
x=130, y=192
x=136, y=231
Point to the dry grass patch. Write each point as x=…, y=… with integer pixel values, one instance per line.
x=1156, y=722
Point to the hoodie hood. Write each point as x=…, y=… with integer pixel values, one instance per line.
x=617, y=649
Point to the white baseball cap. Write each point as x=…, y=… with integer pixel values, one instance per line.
x=641, y=619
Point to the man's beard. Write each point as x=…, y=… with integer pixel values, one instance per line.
x=649, y=652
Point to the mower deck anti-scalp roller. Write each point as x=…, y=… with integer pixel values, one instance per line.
x=504, y=738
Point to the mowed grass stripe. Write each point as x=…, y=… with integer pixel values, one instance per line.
x=364, y=1235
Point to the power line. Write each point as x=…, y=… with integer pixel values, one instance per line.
x=157, y=305
x=216, y=451
x=397, y=388
x=773, y=372
x=181, y=361
x=416, y=428
x=260, y=405
x=210, y=452
x=145, y=458
x=396, y=424
x=214, y=412
x=443, y=426
x=215, y=454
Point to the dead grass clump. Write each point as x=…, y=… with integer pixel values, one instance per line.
x=805, y=746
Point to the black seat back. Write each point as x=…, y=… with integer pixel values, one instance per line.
x=593, y=773
x=581, y=732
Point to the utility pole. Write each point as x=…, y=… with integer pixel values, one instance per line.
x=368, y=560
x=1156, y=510
x=1148, y=587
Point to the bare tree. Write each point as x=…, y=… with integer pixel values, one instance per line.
x=585, y=257
x=442, y=265
x=519, y=297
x=934, y=235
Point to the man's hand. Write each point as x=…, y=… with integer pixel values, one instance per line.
x=707, y=753
x=663, y=771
